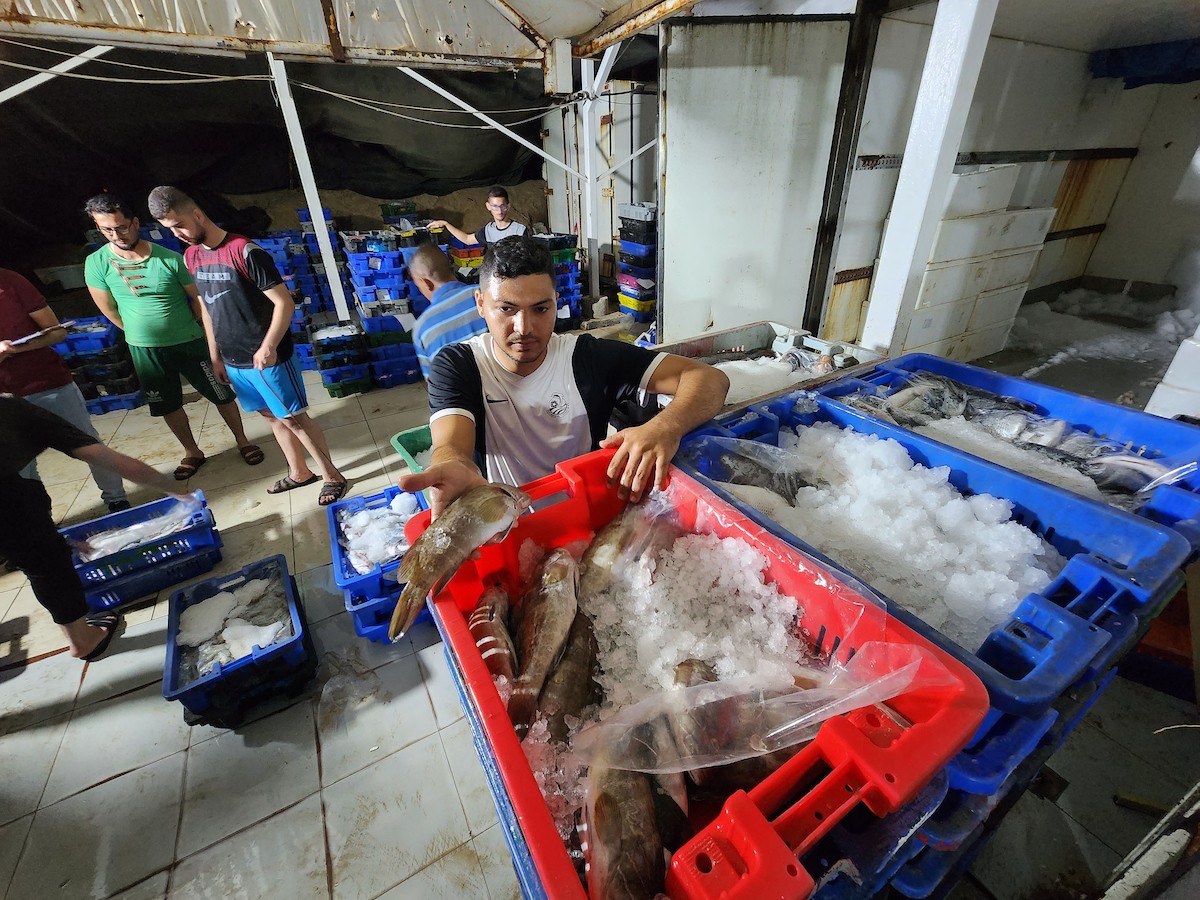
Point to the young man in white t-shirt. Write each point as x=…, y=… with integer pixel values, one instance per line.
x=508, y=405
x=499, y=228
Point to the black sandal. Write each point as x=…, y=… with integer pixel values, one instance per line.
x=252, y=454
x=332, y=492
x=109, y=621
x=288, y=483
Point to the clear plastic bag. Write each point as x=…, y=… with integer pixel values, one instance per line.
x=754, y=463
x=723, y=722
x=174, y=519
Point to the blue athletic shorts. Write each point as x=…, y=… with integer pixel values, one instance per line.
x=278, y=389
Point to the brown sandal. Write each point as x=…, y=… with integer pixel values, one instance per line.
x=288, y=483
x=252, y=454
x=332, y=492
x=189, y=466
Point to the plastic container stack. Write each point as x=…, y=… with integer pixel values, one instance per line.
x=1045, y=666
x=569, y=289
x=343, y=361
x=466, y=259
x=96, y=353
x=127, y=575
x=390, y=352
x=370, y=598
x=637, y=260
x=224, y=696
x=297, y=255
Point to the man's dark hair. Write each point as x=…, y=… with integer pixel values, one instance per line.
x=166, y=199
x=430, y=262
x=107, y=204
x=498, y=191
x=515, y=256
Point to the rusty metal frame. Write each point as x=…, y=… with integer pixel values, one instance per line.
x=28, y=84
x=625, y=22
x=852, y=99
x=519, y=22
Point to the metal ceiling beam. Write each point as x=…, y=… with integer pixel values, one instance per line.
x=308, y=181
x=463, y=104
x=627, y=21
x=42, y=77
x=519, y=22
x=649, y=145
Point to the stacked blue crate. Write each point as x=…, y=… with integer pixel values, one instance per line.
x=95, y=352
x=156, y=234
x=569, y=289
x=127, y=575
x=369, y=598
x=637, y=256
x=1052, y=660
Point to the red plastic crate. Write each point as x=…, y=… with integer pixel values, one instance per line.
x=752, y=848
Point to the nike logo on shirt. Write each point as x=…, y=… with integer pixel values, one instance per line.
x=213, y=298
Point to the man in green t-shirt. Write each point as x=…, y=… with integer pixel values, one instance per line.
x=147, y=292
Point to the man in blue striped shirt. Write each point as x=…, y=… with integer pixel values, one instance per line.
x=452, y=315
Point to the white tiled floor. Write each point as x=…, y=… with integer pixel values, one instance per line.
x=366, y=786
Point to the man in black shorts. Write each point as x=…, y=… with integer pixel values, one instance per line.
x=514, y=402
x=28, y=537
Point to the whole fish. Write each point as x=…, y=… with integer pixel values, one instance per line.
x=620, y=836
x=476, y=517
x=742, y=469
x=572, y=686
x=489, y=627
x=547, y=613
x=630, y=536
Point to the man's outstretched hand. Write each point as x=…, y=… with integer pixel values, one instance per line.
x=444, y=481
x=642, y=459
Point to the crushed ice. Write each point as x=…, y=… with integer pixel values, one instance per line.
x=375, y=536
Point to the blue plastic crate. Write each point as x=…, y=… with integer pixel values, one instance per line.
x=128, y=588
x=377, y=324
x=639, y=315
x=1170, y=442
x=1116, y=561
x=646, y=251
x=395, y=372
x=223, y=696
x=419, y=304
x=199, y=534
x=394, y=352
x=377, y=582
x=306, y=215
x=373, y=615
x=89, y=341
x=102, y=405
x=342, y=342
x=345, y=373
x=636, y=271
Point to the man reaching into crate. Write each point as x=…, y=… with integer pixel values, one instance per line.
x=516, y=401
x=28, y=535
x=145, y=291
x=247, y=314
x=499, y=228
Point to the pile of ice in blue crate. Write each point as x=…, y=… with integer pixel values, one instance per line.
x=369, y=587
x=637, y=259
x=222, y=690
x=1052, y=659
x=99, y=360
x=129, y=574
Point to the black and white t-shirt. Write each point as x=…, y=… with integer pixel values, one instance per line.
x=491, y=232
x=527, y=424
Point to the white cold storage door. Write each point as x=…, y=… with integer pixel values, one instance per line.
x=748, y=117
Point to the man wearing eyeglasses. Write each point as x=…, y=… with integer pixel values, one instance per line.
x=500, y=227
x=146, y=291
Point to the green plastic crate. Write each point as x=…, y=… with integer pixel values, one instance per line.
x=562, y=256
x=346, y=388
x=386, y=338
x=411, y=442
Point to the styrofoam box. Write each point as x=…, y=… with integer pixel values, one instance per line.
x=994, y=307
x=984, y=342
x=1027, y=226
x=67, y=276
x=1170, y=401
x=986, y=189
x=945, y=321
x=970, y=236
x=1184, y=371
x=957, y=280
x=1011, y=267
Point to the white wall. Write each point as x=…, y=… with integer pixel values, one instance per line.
x=750, y=111
x=1029, y=97
x=1153, y=233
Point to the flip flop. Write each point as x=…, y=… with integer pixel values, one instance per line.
x=288, y=483
x=109, y=621
x=252, y=454
x=189, y=466
x=332, y=492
